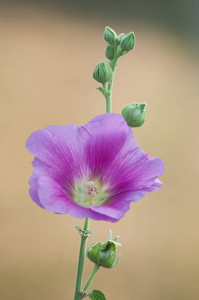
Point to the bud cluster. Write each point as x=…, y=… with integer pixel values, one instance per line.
x=117, y=45
x=125, y=42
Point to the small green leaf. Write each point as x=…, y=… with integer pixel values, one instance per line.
x=97, y=295
x=102, y=90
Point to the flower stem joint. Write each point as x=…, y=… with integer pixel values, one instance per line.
x=104, y=254
x=134, y=114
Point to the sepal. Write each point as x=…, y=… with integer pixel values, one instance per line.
x=104, y=254
x=93, y=252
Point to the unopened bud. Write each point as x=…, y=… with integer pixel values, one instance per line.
x=134, y=114
x=120, y=36
x=103, y=73
x=104, y=254
x=109, y=35
x=127, y=42
x=109, y=52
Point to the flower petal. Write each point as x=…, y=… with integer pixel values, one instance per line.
x=133, y=170
x=115, y=211
x=120, y=204
x=33, y=191
x=107, y=135
x=58, y=152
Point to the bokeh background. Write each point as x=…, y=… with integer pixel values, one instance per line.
x=48, y=51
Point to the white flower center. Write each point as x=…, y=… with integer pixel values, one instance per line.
x=90, y=192
x=90, y=189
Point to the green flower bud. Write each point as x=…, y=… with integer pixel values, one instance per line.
x=109, y=35
x=109, y=52
x=127, y=42
x=104, y=254
x=121, y=36
x=134, y=114
x=102, y=73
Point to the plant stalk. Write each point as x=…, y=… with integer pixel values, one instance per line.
x=91, y=277
x=113, y=66
x=80, y=267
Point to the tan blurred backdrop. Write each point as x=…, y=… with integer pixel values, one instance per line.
x=46, y=64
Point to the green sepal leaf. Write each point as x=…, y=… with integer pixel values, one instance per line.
x=117, y=262
x=93, y=252
x=97, y=295
x=115, y=239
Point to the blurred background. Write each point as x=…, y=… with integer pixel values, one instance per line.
x=48, y=51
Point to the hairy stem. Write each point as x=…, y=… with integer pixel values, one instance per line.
x=91, y=277
x=113, y=66
x=82, y=251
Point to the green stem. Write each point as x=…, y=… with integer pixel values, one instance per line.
x=91, y=277
x=82, y=251
x=113, y=66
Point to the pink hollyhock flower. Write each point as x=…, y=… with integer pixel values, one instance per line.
x=91, y=171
